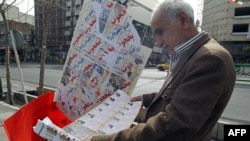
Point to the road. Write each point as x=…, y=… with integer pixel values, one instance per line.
x=151, y=77
x=31, y=75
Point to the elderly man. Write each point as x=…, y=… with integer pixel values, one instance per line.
x=197, y=90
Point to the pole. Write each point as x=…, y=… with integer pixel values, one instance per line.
x=18, y=64
x=1, y=88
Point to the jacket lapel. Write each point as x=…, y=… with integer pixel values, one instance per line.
x=195, y=46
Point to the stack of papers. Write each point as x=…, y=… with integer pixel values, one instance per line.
x=112, y=115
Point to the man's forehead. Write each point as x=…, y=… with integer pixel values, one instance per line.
x=157, y=23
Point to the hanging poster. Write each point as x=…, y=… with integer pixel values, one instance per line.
x=105, y=55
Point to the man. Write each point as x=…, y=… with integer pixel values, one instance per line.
x=197, y=90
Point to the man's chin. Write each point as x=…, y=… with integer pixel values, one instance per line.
x=168, y=49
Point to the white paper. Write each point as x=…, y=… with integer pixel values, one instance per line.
x=114, y=114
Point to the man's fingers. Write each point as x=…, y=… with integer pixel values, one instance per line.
x=136, y=98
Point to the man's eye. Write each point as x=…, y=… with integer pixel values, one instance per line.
x=159, y=31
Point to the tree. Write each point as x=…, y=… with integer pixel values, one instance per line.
x=48, y=5
x=3, y=8
x=48, y=8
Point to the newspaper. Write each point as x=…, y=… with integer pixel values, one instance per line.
x=102, y=120
x=102, y=67
x=105, y=55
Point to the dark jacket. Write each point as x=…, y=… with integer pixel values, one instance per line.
x=191, y=100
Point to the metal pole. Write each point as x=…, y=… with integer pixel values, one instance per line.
x=18, y=64
x=1, y=88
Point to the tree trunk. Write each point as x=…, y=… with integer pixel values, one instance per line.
x=7, y=58
x=48, y=8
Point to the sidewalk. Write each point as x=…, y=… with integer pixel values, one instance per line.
x=6, y=111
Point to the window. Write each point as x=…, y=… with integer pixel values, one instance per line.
x=54, y=13
x=148, y=42
x=144, y=33
x=76, y=17
x=78, y=6
x=40, y=16
x=242, y=11
x=240, y=28
x=40, y=24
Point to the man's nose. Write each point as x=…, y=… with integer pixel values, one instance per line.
x=159, y=43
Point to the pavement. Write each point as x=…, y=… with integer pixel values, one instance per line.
x=7, y=110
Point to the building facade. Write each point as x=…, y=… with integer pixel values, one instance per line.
x=22, y=22
x=229, y=24
x=50, y=14
x=73, y=8
x=199, y=13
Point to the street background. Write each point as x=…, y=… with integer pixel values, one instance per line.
x=151, y=80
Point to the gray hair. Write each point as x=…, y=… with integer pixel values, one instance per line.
x=173, y=7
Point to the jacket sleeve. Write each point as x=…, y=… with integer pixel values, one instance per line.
x=147, y=99
x=190, y=107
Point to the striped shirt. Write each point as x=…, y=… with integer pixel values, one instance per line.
x=181, y=49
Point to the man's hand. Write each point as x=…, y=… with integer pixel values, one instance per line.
x=136, y=98
x=88, y=139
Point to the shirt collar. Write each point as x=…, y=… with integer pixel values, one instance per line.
x=181, y=49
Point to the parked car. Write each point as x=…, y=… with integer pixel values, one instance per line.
x=162, y=67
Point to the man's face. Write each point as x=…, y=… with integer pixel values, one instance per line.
x=166, y=34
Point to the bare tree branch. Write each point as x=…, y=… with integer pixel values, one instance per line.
x=8, y=6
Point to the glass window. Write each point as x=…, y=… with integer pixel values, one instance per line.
x=240, y=27
x=242, y=11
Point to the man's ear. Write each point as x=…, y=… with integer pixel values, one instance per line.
x=183, y=19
